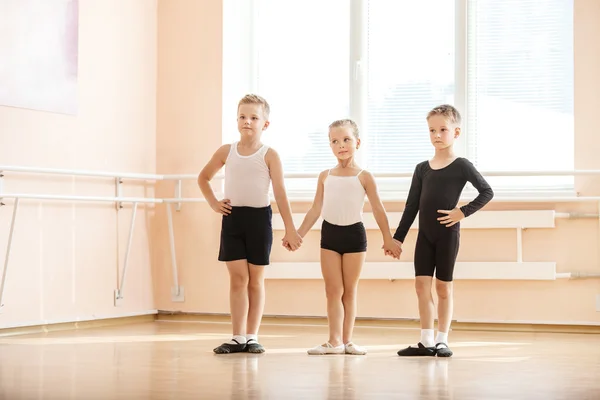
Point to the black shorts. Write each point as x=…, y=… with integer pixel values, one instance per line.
x=247, y=234
x=344, y=239
x=437, y=252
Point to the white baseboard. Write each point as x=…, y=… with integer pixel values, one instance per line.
x=76, y=319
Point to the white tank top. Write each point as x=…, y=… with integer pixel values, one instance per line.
x=343, y=199
x=247, y=178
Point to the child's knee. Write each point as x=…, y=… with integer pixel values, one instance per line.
x=349, y=295
x=334, y=291
x=443, y=289
x=238, y=281
x=256, y=283
x=423, y=286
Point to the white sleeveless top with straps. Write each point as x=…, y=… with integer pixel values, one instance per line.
x=247, y=178
x=343, y=199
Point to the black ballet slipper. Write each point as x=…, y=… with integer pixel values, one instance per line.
x=252, y=346
x=420, y=351
x=442, y=350
x=227, y=348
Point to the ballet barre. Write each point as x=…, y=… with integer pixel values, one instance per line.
x=515, y=219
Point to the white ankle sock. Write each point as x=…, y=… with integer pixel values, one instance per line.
x=252, y=337
x=442, y=337
x=241, y=339
x=427, y=337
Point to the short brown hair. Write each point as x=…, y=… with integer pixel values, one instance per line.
x=346, y=122
x=256, y=99
x=447, y=111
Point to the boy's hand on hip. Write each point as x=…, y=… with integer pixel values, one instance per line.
x=222, y=207
x=451, y=217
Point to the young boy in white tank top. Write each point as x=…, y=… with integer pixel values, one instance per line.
x=339, y=201
x=246, y=229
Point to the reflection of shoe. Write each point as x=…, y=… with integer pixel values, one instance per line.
x=351, y=348
x=252, y=346
x=420, y=351
x=442, y=350
x=327, y=348
x=227, y=348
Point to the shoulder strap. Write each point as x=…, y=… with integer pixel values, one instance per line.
x=263, y=150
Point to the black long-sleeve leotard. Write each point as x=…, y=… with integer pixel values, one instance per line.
x=440, y=189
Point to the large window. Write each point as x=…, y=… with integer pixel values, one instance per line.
x=507, y=65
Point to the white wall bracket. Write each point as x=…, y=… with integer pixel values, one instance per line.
x=1, y=187
x=119, y=291
x=8, y=248
x=118, y=192
x=178, y=194
x=118, y=298
x=177, y=292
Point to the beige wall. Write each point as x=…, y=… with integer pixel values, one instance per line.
x=63, y=264
x=64, y=260
x=188, y=131
x=189, y=114
x=587, y=95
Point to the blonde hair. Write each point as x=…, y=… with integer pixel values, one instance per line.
x=347, y=123
x=256, y=99
x=447, y=111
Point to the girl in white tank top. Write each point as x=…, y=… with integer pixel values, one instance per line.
x=339, y=201
x=343, y=199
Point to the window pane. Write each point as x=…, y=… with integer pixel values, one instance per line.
x=411, y=70
x=520, y=88
x=303, y=57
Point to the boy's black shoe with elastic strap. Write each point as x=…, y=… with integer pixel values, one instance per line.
x=227, y=348
x=252, y=346
x=442, y=350
x=420, y=351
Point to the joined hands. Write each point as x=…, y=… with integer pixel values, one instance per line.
x=292, y=241
x=392, y=247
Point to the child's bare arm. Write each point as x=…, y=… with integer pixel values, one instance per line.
x=276, y=170
x=315, y=210
x=208, y=172
x=389, y=246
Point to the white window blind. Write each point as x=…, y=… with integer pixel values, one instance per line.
x=411, y=70
x=302, y=53
x=507, y=65
x=520, y=89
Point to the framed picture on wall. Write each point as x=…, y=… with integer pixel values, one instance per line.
x=39, y=54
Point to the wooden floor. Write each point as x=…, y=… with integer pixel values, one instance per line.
x=174, y=360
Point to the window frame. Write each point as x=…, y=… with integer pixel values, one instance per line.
x=246, y=78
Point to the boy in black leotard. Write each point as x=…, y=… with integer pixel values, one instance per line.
x=434, y=193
